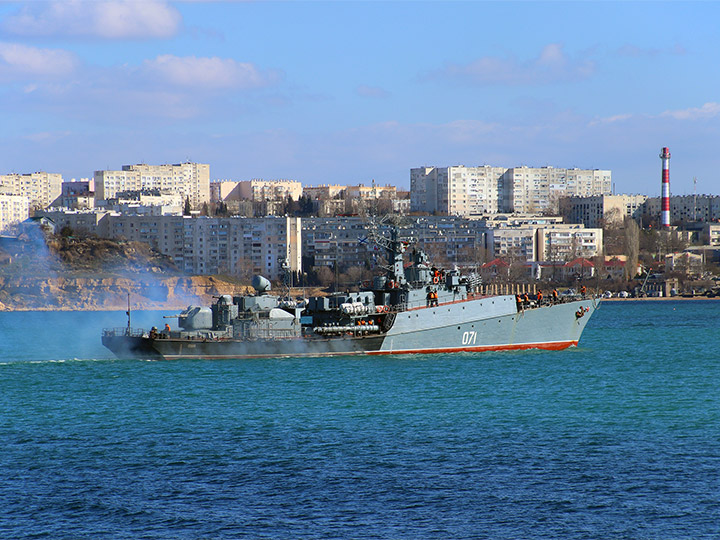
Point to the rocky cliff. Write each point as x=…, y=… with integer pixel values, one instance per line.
x=65, y=273
x=111, y=293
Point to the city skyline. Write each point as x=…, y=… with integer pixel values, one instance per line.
x=347, y=92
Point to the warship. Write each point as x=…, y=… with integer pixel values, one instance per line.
x=414, y=308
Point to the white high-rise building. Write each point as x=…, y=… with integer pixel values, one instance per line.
x=42, y=189
x=462, y=191
x=269, y=190
x=474, y=191
x=189, y=180
x=539, y=189
x=14, y=209
x=602, y=209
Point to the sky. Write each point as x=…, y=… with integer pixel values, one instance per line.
x=349, y=92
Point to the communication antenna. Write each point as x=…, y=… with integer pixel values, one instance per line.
x=694, y=198
x=128, y=316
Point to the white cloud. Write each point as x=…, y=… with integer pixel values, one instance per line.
x=551, y=65
x=20, y=62
x=211, y=73
x=371, y=91
x=635, y=51
x=610, y=119
x=108, y=19
x=708, y=110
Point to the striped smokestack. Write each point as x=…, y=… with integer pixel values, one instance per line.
x=665, y=200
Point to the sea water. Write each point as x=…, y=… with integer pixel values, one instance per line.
x=617, y=438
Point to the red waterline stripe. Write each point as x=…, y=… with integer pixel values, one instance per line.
x=551, y=346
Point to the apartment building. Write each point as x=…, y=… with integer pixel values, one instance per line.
x=42, y=189
x=93, y=221
x=567, y=242
x=234, y=245
x=269, y=190
x=328, y=241
x=189, y=180
x=224, y=191
x=78, y=194
x=362, y=191
x=539, y=189
x=147, y=201
x=685, y=208
x=474, y=191
x=597, y=210
x=324, y=191
x=461, y=191
x=14, y=209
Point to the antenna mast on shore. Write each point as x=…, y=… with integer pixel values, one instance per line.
x=128, y=315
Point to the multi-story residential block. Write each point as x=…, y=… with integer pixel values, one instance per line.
x=235, y=245
x=269, y=190
x=200, y=245
x=711, y=234
x=42, y=189
x=147, y=201
x=601, y=209
x=461, y=191
x=92, y=221
x=567, y=242
x=324, y=191
x=513, y=243
x=78, y=194
x=362, y=191
x=224, y=191
x=685, y=208
x=189, y=180
x=14, y=209
x=474, y=191
x=496, y=221
x=538, y=189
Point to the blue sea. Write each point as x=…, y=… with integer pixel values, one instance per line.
x=617, y=438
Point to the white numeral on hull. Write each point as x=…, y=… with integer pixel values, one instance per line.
x=469, y=338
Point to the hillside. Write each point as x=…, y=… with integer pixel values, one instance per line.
x=67, y=273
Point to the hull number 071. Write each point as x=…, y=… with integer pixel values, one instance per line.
x=469, y=338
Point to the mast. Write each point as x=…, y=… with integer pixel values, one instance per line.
x=129, y=328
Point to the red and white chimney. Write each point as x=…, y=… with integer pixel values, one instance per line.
x=665, y=200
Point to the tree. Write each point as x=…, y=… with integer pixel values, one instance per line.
x=324, y=275
x=306, y=206
x=613, y=234
x=186, y=209
x=291, y=207
x=632, y=247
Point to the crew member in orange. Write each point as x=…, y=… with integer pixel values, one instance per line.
x=554, y=296
x=539, y=297
x=167, y=328
x=583, y=290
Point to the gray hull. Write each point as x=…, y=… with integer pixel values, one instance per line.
x=478, y=324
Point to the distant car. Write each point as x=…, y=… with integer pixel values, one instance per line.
x=568, y=292
x=623, y=294
x=607, y=294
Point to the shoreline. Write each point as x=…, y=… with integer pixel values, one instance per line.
x=161, y=307
x=660, y=298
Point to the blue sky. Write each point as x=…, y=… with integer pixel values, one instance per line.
x=347, y=92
